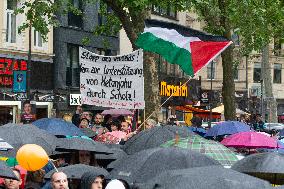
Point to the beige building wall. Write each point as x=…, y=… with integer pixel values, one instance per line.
x=20, y=47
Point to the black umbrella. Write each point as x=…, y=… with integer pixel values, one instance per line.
x=267, y=166
x=213, y=177
x=154, y=137
x=88, y=132
x=117, y=153
x=146, y=164
x=77, y=143
x=76, y=171
x=18, y=135
x=7, y=172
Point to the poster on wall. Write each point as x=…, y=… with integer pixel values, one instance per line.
x=28, y=114
x=112, y=81
x=20, y=81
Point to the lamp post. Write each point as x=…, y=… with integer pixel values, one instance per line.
x=211, y=94
x=28, y=91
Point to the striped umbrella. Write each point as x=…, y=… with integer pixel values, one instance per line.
x=210, y=148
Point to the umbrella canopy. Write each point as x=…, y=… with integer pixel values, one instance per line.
x=76, y=171
x=213, y=177
x=146, y=164
x=227, y=128
x=117, y=153
x=250, y=140
x=198, y=130
x=5, y=145
x=88, y=132
x=210, y=148
x=57, y=126
x=18, y=135
x=117, y=112
x=154, y=137
x=267, y=166
x=6, y=172
x=76, y=143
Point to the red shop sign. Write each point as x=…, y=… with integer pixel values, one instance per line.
x=7, y=66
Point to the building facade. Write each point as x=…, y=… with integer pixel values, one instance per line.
x=13, y=60
x=67, y=40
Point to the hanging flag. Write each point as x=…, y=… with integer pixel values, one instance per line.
x=190, y=49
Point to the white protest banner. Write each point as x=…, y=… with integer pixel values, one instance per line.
x=112, y=81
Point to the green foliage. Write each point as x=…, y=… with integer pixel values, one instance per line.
x=39, y=14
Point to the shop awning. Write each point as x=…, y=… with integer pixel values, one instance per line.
x=199, y=112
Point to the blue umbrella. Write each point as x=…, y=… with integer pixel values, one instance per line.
x=227, y=128
x=57, y=126
x=199, y=131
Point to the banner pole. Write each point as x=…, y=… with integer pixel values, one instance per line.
x=159, y=106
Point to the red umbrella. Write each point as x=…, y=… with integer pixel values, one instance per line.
x=250, y=139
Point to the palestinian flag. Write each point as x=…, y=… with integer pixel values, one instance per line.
x=190, y=49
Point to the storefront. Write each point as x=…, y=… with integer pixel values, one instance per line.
x=182, y=95
x=13, y=70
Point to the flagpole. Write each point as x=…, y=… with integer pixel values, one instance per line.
x=160, y=106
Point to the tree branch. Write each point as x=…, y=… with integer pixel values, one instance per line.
x=125, y=19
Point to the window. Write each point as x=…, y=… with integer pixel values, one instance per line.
x=72, y=66
x=73, y=19
x=277, y=73
x=11, y=21
x=169, y=11
x=37, y=39
x=172, y=69
x=257, y=73
x=236, y=73
x=211, y=68
x=101, y=17
x=162, y=65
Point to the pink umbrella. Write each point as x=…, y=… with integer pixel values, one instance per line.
x=117, y=112
x=250, y=139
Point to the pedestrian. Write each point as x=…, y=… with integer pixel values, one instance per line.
x=76, y=116
x=59, y=180
x=35, y=179
x=91, y=180
x=97, y=127
x=150, y=123
x=107, y=121
x=11, y=183
x=115, y=125
x=84, y=123
x=117, y=184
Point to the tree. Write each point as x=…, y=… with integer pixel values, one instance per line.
x=256, y=22
x=261, y=22
x=129, y=14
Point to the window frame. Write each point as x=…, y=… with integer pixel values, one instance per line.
x=214, y=64
x=70, y=80
x=11, y=27
x=37, y=36
x=274, y=73
x=257, y=66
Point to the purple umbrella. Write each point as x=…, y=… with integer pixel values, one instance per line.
x=117, y=112
x=227, y=128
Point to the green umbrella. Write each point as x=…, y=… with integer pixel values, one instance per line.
x=210, y=148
